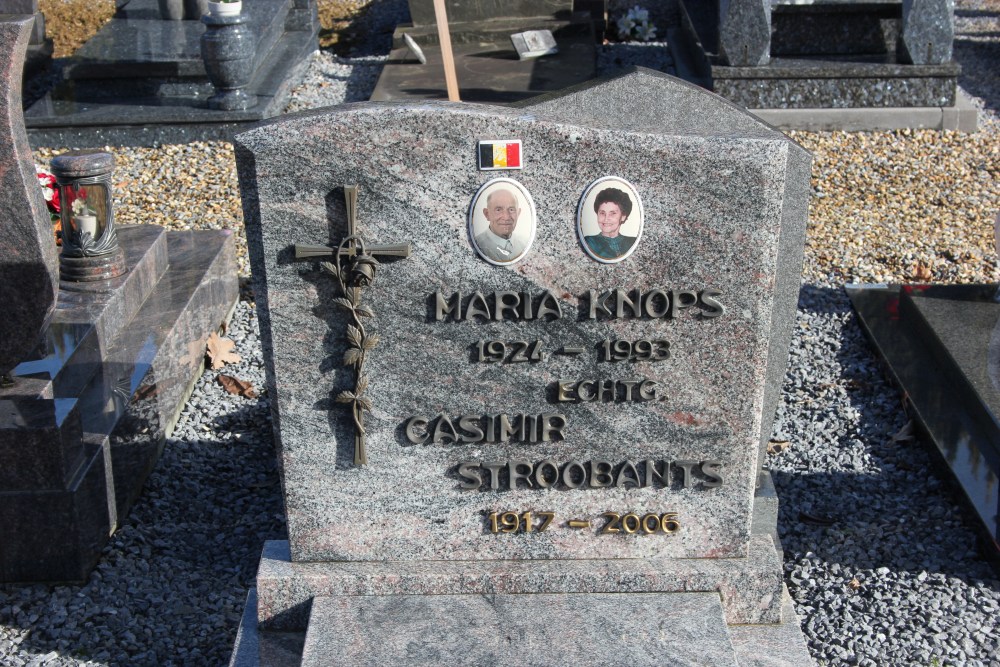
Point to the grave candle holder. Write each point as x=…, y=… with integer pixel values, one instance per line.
x=90, y=249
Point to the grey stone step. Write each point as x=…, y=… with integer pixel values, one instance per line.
x=636, y=629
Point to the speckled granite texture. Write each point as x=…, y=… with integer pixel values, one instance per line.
x=745, y=32
x=713, y=211
x=772, y=645
x=928, y=31
x=685, y=109
x=647, y=629
x=788, y=83
x=29, y=272
x=750, y=587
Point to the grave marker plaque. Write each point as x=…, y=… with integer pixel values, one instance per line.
x=592, y=423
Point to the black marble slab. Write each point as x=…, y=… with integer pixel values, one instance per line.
x=138, y=44
x=83, y=446
x=941, y=345
x=486, y=64
x=422, y=11
x=142, y=82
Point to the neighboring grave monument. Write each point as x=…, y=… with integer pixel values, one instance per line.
x=142, y=79
x=87, y=399
x=519, y=362
x=487, y=64
x=941, y=346
x=39, y=54
x=829, y=64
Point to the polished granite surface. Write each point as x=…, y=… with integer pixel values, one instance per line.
x=86, y=419
x=483, y=53
x=141, y=81
x=942, y=346
x=136, y=43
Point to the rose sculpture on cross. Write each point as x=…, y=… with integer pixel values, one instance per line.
x=354, y=268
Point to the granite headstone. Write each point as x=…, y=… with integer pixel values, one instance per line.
x=84, y=413
x=562, y=419
x=771, y=55
x=29, y=271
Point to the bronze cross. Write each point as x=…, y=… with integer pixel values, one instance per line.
x=354, y=267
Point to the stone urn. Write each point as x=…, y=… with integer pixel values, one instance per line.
x=227, y=48
x=176, y=10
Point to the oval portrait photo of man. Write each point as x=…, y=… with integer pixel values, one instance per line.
x=502, y=221
x=609, y=219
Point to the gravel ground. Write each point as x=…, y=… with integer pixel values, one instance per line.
x=893, y=576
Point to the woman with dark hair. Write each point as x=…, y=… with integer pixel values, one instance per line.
x=612, y=206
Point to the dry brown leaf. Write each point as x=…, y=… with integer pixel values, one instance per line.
x=854, y=584
x=905, y=434
x=776, y=446
x=220, y=352
x=146, y=391
x=922, y=272
x=236, y=386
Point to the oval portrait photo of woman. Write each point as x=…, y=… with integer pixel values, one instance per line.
x=609, y=219
x=502, y=221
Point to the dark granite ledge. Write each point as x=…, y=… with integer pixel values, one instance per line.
x=945, y=357
x=830, y=67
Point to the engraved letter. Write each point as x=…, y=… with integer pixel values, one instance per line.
x=506, y=429
x=477, y=306
x=567, y=475
x=652, y=472
x=540, y=480
x=416, y=430
x=500, y=305
x=598, y=302
x=469, y=470
x=681, y=299
x=600, y=474
x=471, y=431
x=606, y=391
x=565, y=391
x=647, y=390
x=715, y=308
x=686, y=467
x=712, y=470
x=443, y=307
x=632, y=478
x=512, y=470
x=444, y=431
x=548, y=305
x=629, y=386
x=550, y=426
x=623, y=299
x=494, y=468
x=653, y=309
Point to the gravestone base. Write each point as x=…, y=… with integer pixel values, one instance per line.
x=300, y=613
x=679, y=627
x=86, y=418
x=141, y=80
x=941, y=346
x=486, y=64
